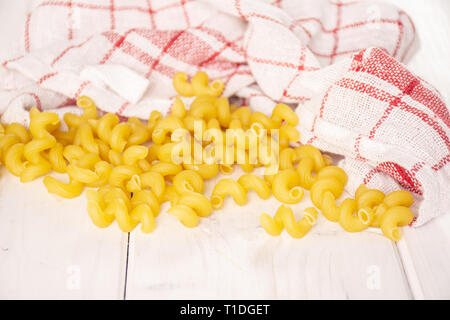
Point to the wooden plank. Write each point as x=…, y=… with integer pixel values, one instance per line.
x=426, y=253
x=229, y=256
x=50, y=249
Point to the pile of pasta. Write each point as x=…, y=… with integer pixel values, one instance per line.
x=128, y=170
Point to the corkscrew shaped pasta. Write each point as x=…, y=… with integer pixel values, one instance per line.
x=69, y=190
x=189, y=206
x=349, y=220
x=105, y=206
x=164, y=127
x=35, y=164
x=328, y=187
x=368, y=201
x=286, y=187
x=393, y=199
x=310, y=160
x=238, y=190
x=199, y=85
x=188, y=181
x=284, y=218
x=140, y=133
x=393, y=218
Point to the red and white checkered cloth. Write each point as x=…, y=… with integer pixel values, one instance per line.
x=338, y=60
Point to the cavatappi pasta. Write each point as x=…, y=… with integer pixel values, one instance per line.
x=284, y=218
x=129, y=168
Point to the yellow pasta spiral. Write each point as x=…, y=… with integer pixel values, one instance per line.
x=284, y=218
x=328, y=187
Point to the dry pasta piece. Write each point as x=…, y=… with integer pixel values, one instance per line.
x=368, y=201
x=253, y=182
x=133, y=154
x=140, y=133
x=56, y=158
x=393, y=199
x=154, y=181
x=284, y=218
x=66, y=190
x=283, y=112
x=106, y=125
x=188, y=181
x=43, y=123
x=146, y=197
x=228, y=187
x=348, y=220
x=178, y=109
x=33, y=171
x=120, y=175
x=187, y=216
x=119, y=136
x=196, y=201
x=393, y=218
x=164, y=127
x=14, y=159
x=286, y=187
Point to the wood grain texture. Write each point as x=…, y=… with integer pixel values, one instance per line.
x=230, y=256
x=50, y=249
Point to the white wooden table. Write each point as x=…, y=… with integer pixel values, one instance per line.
x=50, y=249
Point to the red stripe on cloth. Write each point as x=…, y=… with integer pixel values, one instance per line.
x=5, y=63
x=404, y=177
x=219, y=36
x=354, y=25
x=46, y=77
x=211, y=58
x=392, y=105
x=107, y=7
x=297, y=98
x=27, y=33
x=311, y=140
x=63, y=53
x=383, y=96
x=237, y=5
x=118, y=41
x=386, y=68
x=37, y=99
x=163, y=52
x=151, y=14
x=141, y=56
x=357, y=151
x=70, y=22
x=405, y=54
x=111, y=14
x=335, y=31
x=200, y=49
x=400, y=37
x=65, y=103
x=417, y=167
x=186, y=16
x=300, y=69
x=123, y=107
x=280, y=63
x=383, y=118
x=83, y=85
x=308, y=33
x=277, y=3
x=441, y=163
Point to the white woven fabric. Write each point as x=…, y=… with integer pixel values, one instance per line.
x=338, y=60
